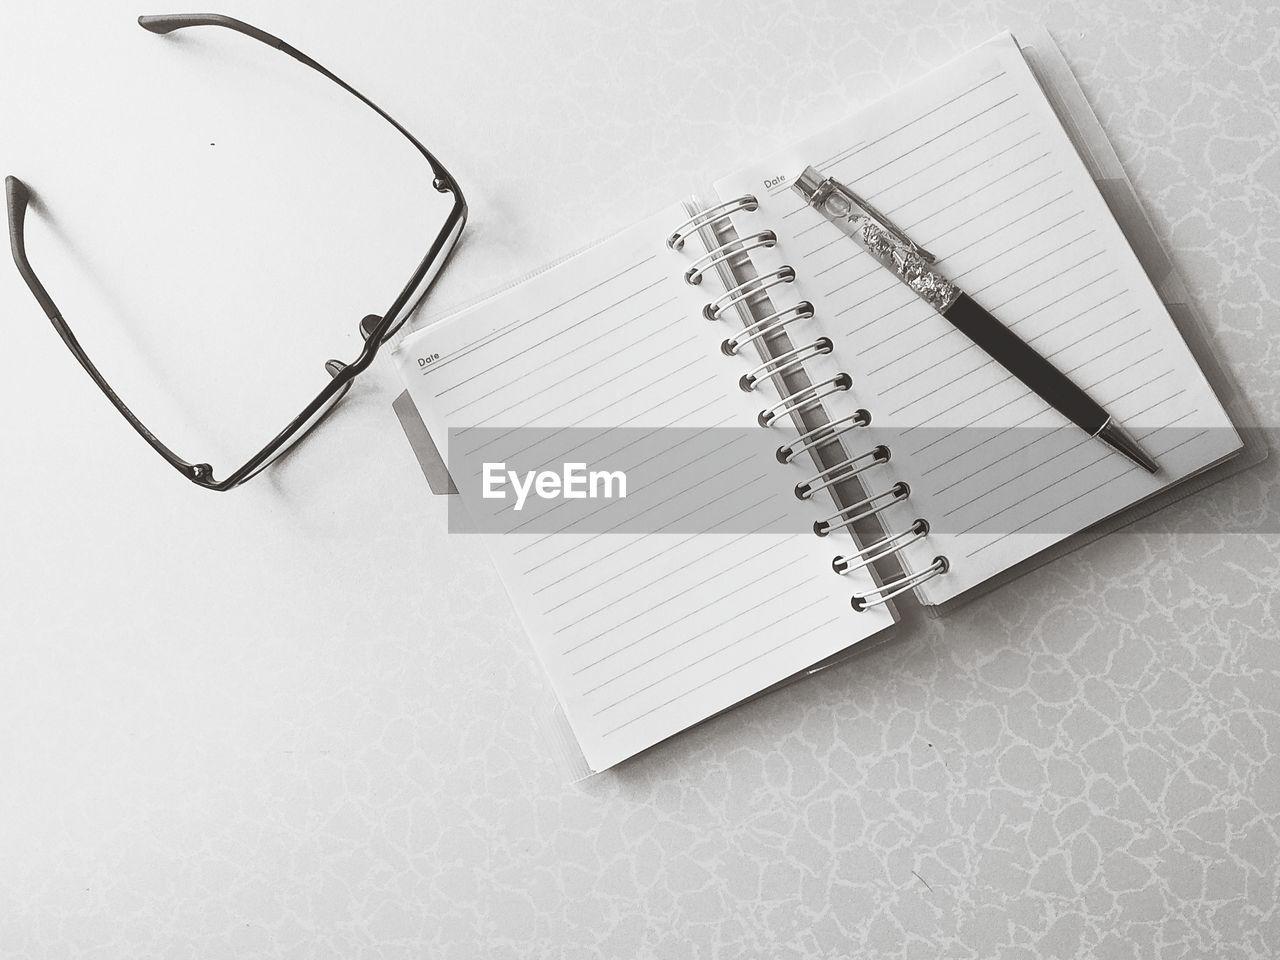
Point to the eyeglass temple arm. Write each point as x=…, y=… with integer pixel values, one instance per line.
x=167, y=23
x=17, y=198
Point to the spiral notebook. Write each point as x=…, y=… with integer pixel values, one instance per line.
x=864, y=450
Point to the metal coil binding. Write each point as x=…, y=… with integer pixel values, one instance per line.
x=902, y=584
x=821, y=436
x=747, y=289
x=708, y=217
x=840, y=472
x=886, y=546
x=784, y=362
x=727, y=251
x=863, y=509
x=759, y=329
x=804, y=398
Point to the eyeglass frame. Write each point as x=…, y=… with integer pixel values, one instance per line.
x=376, y=330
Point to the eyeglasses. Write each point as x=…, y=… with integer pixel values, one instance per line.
x=375, y=329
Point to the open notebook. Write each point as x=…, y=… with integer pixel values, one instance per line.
x=706, y=583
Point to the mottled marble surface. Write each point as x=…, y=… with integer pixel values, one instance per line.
x=298, y=722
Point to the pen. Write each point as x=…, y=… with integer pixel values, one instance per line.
x=911, y=264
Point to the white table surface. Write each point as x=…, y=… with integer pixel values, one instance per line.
x=295, y=720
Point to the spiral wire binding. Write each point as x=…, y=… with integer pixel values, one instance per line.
x=727, y=251
x=822, y=435
x=863, y=509
x=805, y=398
x=709, y=217
x=902, y=584
x=750, y=291
x=784, y=362
x=887, y=545
x=767, y=326
x=845, y=470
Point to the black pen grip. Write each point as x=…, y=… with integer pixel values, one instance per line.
x=1012, y=353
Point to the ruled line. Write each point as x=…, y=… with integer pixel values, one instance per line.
x=630, y=569
x=929, y=166
x=981, y=138
x=862, y=145
x=509, y=504
x=1025, y=446
x=787, y=591
x=985, y=162
x=720, y=676
x=633, y=498
x=1050, y=356
x=928, y=318
x=839, y=158
x=488, y=338
x=741, y=612
x=733, y=591
x=715, y=497
x=632, y=566
x=503, y=386
x=603, y=385
x=970, y=345
x=930, y=242
x=857, y=251
x=525, y=351
x=1024, y=393
x=701, y=558
x=627, y=466
x=1030, y=496
x=1126, y=468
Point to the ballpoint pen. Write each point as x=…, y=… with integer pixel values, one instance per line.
x=912, y=264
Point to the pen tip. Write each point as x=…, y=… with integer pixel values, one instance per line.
x=1114, y=435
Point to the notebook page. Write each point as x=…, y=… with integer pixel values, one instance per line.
x=645, y=631
x=971, y=163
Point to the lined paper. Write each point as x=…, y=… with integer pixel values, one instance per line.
x=972, y=164
x=641, y=633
